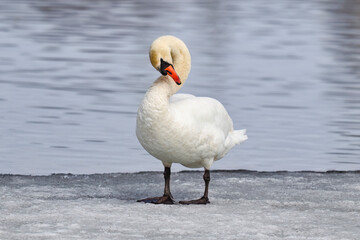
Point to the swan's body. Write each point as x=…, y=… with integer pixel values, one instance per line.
x=182, y=128
x=192, y=131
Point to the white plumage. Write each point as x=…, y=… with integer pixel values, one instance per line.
x=192, y=131
x=182, y=128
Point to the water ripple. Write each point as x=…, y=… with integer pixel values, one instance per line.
x=74, y=73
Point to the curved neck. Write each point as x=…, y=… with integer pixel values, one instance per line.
x=182, y=62
x=163, y=87
x=156, y=100
x=173, y=51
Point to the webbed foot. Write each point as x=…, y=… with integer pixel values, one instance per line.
x=203, y=200
x=166, y=199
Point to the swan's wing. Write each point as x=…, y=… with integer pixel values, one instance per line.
x=201, y=113
x=180, y=96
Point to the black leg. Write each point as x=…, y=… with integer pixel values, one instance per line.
x=167, y=197
x=167, y=173
x=207, y=181
x=204, y=199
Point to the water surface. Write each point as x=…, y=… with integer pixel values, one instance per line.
x=72, y=75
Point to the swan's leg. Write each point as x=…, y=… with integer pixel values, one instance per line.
x=204, y=199
x=167, y=198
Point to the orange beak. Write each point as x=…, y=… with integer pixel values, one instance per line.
x=171, y=72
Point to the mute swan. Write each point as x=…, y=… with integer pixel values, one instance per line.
x=181, y=128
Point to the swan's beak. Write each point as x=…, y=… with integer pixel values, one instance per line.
x=171, y=72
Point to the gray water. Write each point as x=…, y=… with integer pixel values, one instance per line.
x=72, y=74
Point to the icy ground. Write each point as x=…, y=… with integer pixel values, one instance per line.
x=244, y=205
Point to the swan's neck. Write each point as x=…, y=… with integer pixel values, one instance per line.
x=182, y=64
x=172, y=50
x=156, y=100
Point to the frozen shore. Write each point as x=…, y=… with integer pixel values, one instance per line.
x=244, y=205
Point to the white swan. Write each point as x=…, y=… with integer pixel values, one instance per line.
x=181, y=128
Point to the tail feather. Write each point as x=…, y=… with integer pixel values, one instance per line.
x=235, y=137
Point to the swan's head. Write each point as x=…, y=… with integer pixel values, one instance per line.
x=170, y=56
